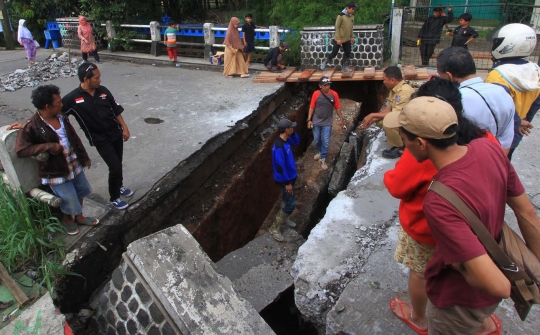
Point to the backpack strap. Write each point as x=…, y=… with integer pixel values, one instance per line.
x=327, y=98
x=491, y=110
x=477, y=226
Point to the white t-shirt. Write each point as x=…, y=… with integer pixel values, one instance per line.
x=478, y=110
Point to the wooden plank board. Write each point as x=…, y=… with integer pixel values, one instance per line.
x=15, y=290
x=304, y=76
x=409, y=72
x=285, y=74
x=328, y=72
x=271, y=77
x=347, y=74
x=369, y=72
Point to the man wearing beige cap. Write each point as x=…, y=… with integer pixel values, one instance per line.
x=464, y=286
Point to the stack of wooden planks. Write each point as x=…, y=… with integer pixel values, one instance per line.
x=312, y=75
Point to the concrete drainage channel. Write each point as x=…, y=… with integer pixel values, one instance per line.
x=224, y=198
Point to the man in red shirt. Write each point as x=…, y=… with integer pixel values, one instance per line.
x=464, y=285
x=321, y=118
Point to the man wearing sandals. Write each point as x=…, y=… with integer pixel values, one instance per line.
x=50, y=131
x=464, y=285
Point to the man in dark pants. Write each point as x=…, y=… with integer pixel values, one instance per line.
x=284, y=174
x=430, y=33
x=274, y=59
x=99, y=116
x=343, y=37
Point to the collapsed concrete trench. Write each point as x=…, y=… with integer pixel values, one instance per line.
x=225, y=195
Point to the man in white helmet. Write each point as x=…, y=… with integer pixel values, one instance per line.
x=512, y=44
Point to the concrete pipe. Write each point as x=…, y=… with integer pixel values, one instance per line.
x=45, y=197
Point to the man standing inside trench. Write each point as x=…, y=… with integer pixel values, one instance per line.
x=284, y=174
x=321, y=118
x=100, y=117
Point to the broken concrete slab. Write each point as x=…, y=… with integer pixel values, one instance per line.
x=359, y=303
x=343, y=170
x=341, y=243
x=39, y=318
x=260, y=270
x=167, y=284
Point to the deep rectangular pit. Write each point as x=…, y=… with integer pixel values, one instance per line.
x=218, y=217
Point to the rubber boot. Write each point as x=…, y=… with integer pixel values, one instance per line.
x=276, y=226
x=290, y=223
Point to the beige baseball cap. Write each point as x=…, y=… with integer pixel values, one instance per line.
x=426, y=117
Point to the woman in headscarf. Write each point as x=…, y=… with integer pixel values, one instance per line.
x=234, y=57
x=88, y=44
x=26, y=39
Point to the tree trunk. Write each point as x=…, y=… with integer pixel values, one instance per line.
x=8, y=36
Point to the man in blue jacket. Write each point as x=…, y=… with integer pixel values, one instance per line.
x=284, y=174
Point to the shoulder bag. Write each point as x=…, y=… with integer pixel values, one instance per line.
x=511, y=254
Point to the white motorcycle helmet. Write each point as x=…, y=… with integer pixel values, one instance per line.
x=514, y=40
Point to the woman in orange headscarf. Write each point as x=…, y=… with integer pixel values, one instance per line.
x=88, y=44
x=234, y=57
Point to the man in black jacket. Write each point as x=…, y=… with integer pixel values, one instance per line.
x=430, y=33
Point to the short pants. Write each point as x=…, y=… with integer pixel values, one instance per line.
x=412, y=254
x=250, y=47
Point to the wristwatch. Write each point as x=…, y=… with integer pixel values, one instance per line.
x=308, y=120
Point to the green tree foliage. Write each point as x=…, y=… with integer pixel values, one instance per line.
x=301, y=13
x=37, y=13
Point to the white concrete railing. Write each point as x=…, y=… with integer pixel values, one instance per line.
x=210, y=32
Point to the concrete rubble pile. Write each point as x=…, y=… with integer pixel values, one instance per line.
x=54, y=67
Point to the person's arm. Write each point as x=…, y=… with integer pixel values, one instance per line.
x=337, y=107
x=450, y=17
x=15, y=125
x=341, y=121
x=374, y=117
x=338, y=37
x=528, y=221
x=125, y=130
x=310, y=117
x=483, y=274
x=81, y=36
x=25, y=147
x=294, y=139
x=244, y=34
x=474, y=35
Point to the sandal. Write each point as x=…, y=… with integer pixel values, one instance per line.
x=409, y=322
x=72, y=230
x=498, y=324
x=244, y=75
x=90, y=221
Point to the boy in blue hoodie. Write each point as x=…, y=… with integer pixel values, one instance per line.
x=284, y=174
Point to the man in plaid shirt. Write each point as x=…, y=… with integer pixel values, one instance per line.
x=49, y=131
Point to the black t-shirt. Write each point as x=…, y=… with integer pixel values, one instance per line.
x=249, y=31
x=462, y=35
x=96, y=115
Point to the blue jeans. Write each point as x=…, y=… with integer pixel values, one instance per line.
x=71, y=192
x=321, y=137
x=289, y=201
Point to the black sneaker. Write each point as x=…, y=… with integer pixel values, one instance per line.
x=393, y=152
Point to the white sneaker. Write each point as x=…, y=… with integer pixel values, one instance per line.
x=317, y=156
x=323, y=165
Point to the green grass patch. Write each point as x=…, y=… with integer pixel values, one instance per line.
x=27, y=227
